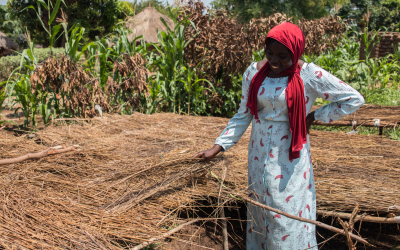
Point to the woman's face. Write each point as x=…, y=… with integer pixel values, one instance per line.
x=279, y=57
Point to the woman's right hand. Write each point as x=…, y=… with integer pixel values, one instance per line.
x=209, y=153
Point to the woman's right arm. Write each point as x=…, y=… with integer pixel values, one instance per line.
x=237, y=125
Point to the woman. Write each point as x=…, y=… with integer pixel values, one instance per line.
x=277, y=93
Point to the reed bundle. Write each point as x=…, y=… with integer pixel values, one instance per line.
x=131, y=176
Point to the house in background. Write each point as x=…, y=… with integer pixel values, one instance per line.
x=6, y=45
x=146, y=23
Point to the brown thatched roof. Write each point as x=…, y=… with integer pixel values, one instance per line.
x=146, y=23
x=6, y=43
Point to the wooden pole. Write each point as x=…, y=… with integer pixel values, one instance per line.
x=224, y=230
x=317, y=223
x=44, y=153
x=365, y=219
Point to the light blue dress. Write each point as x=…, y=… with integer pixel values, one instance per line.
x=273, y=180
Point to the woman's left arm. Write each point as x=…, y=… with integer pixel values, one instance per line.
x=344, y=99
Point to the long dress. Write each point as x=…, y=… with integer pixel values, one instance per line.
x=272, y=179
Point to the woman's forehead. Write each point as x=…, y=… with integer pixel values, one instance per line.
x=277, y=46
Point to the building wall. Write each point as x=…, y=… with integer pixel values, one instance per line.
x=384, y=47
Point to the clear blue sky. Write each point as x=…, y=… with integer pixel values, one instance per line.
x=207, y=2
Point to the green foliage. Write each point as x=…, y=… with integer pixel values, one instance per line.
x=9, y=63
x=52, y=10
x=373, y=14
x=98, y=17
x=125, y=8
x=156, y=4
x=122, y=79
x=20, y=89
x=28, y=99
x=308, y=9
x=231, y=98
x=12, y=26
x=176, y=84
x=377, y=79
x=2, y=98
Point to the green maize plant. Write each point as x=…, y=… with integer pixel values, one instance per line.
x=154, y=99
x=169, y=61
x=52, y=10
x=29, y=100
x=2, y=98
x=193, y=98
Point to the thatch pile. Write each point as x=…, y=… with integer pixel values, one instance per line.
x=6, y=44
x=133, y=174
x=147, y=23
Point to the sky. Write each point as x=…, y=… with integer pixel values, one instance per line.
x=207, y=2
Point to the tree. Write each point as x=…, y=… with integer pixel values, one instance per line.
x=98, y=17
x=247, y=9
x=12, y=27
x=373, y=14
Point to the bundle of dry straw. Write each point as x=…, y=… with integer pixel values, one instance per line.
x=131, y=176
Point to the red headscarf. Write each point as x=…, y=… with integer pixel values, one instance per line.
x=292, y=37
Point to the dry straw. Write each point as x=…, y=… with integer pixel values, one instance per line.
x=132, y=175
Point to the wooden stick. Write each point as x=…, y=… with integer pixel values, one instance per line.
x=75, y=119
x=365, y=219
x=350, y=125
x=44, y=153
x=317, y=223
x=224, y=230
x=164, y=235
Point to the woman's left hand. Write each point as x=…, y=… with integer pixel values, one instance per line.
x=309, y=120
